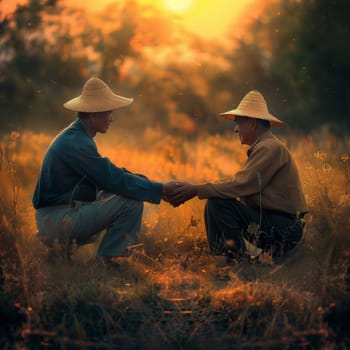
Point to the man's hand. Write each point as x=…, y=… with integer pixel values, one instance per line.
x=169, y=190
x=184, y=192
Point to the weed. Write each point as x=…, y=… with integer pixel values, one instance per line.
x=171, y=293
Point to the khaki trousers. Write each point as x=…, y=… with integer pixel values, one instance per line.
x=82, y=221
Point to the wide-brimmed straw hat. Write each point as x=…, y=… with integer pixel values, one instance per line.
x=96, y=96
x=253, y=105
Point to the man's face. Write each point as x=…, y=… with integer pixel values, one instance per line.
x=100, y=121
x=246, y=130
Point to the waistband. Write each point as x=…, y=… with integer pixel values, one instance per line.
x=286, y=215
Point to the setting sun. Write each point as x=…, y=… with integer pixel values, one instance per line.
x=178, y=5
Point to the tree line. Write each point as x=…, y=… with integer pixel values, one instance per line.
x=297, y=53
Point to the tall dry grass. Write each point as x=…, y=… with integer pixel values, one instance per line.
x=171, y=292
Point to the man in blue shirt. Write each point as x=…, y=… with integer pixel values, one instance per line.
x=79, y=193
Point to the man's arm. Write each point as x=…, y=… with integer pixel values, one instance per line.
x=259, y=169
x=84, y=159
x=257, y=172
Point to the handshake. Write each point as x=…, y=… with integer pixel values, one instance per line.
x=177, y=193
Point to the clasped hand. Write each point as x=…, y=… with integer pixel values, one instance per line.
x=177, y=193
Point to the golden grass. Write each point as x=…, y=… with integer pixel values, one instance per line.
x=171, y=292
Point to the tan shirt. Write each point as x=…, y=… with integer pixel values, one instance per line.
x=269, y=170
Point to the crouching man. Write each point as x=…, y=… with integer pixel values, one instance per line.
x=264, y=202
x=79, y=193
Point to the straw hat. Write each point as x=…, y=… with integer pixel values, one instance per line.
x=96, y=96
x=253, y=105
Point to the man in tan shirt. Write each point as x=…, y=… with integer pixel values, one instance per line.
x=264, y=202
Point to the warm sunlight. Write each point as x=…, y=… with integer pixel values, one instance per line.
x=211, y=19
x=178, y=5
x=163, y=233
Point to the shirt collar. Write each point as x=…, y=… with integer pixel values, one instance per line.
x=78, y=123
x=265, y=135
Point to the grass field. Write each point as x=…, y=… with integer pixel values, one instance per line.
x=171, y=293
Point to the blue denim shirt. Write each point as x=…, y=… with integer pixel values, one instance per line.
x=73, y=169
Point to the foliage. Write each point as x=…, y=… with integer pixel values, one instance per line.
x=295, y=52
x=11, y=281
x=33, y=68
x=171, y=292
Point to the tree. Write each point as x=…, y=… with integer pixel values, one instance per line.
x=298, y=53
x=31, y=65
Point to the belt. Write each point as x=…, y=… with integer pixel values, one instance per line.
x=71, y=204
x=284, y=214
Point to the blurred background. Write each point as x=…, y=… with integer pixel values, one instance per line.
x=182, y=61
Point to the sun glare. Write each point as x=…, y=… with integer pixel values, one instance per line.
x=178, y=5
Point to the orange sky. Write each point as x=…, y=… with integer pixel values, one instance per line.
x=209, y=18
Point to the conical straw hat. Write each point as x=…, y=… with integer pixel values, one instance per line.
x=253, y=105
x=96, y=96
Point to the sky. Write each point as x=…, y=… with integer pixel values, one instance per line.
x=210, y=18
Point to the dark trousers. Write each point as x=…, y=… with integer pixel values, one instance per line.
x=227, y=221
